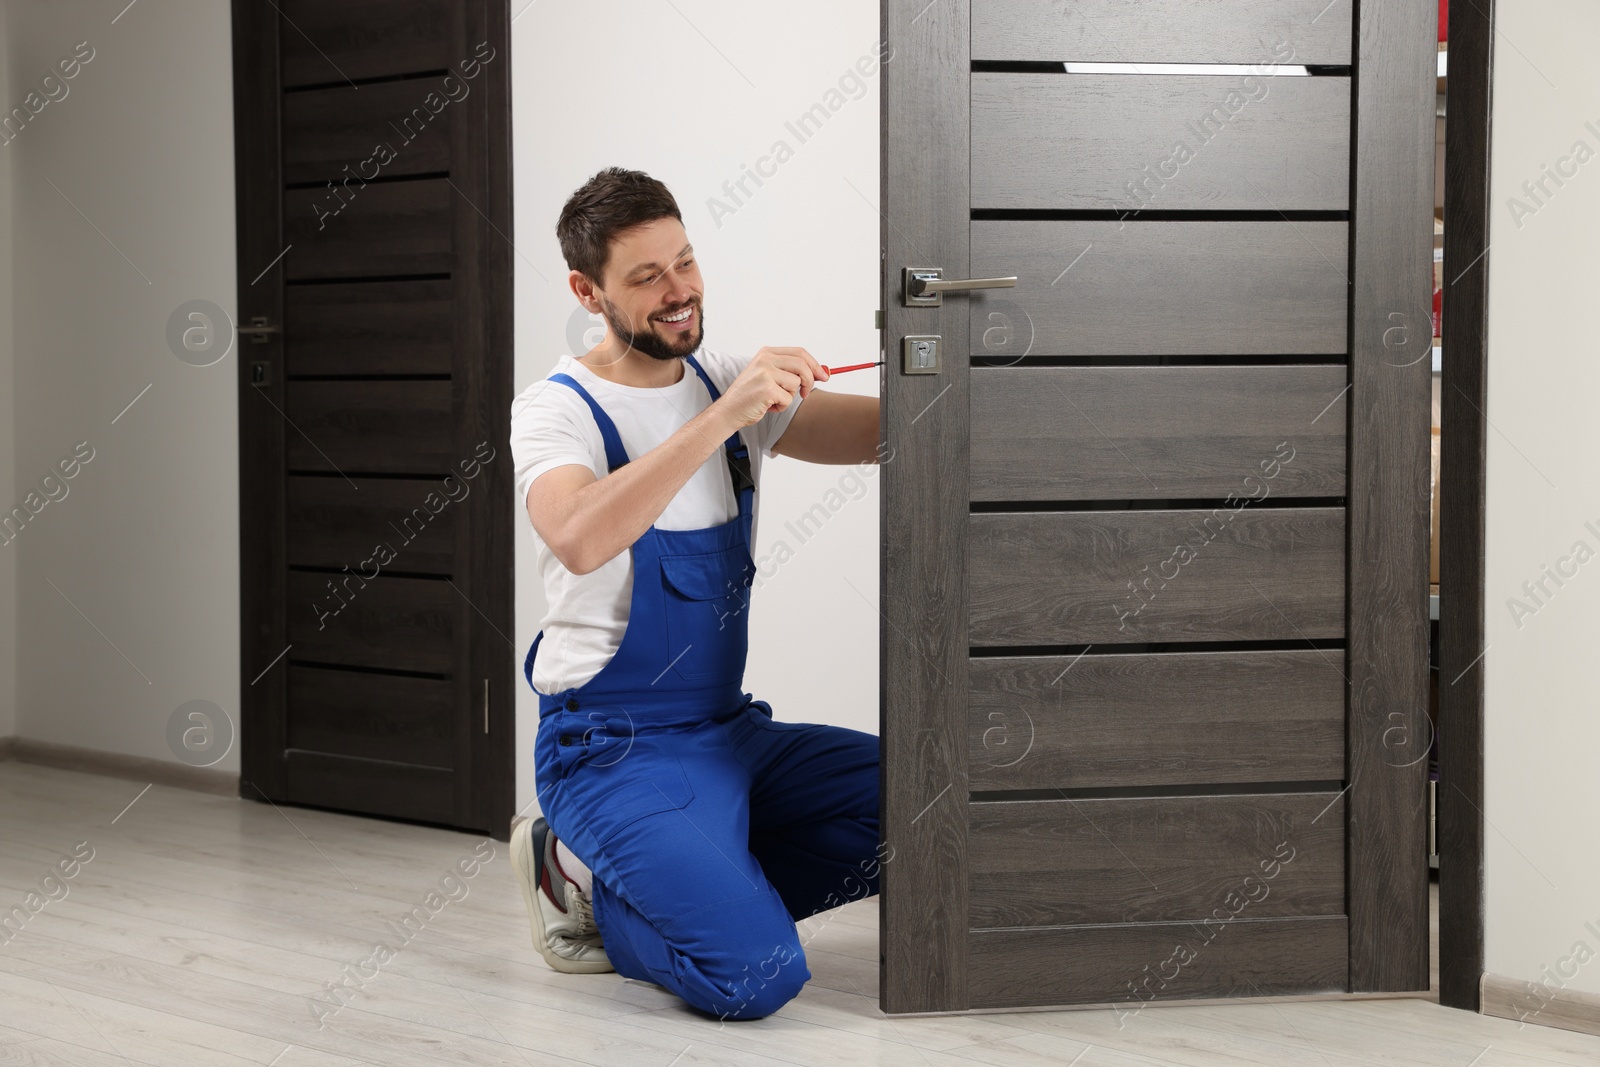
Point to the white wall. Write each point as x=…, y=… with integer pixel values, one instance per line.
x=692, y=93
x=1541, y=672
x=145, y=543
x=8, y=558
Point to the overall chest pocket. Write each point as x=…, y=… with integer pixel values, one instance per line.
x=707, y=601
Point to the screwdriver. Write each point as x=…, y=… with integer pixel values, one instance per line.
x=854, y=366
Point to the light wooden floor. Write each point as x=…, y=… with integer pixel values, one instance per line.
x=202, y=928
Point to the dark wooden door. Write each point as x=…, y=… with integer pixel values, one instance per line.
x=372, y=145
x=1155, y=529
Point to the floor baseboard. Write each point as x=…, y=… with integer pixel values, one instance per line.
x=1533, y=1002
x=117, y=765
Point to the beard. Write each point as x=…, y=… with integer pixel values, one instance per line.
x=650, y=343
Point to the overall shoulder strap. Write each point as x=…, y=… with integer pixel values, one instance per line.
x=738, y=455
x=704, y=377
x=616, y=455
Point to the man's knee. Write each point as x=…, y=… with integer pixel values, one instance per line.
x=737, y=959
x=760, y=986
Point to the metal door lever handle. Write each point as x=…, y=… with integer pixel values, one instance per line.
x=921, y=285
x=258, y=331
x=926, y=286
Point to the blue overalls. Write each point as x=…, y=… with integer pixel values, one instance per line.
x=710, y=828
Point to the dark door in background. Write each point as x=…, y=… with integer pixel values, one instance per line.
x=374, y=200
x=1155, y=527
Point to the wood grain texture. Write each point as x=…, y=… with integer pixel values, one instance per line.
x=1165, y=288
x=925, y=205
x=1389, y=401
x=386, y=130
x=1246, y=958
x=1114, y=141
x=395, y=427
x=483, y=367
x=369, y=316
x=1153, y=859
x=370, y=716
x=1163, y=31
x=396, y=790
x=370, y=328
x=325, y=44
x=1139, y=433
x=331, y=524
x=1569, y=1009
x=366, y=231
x=388, y=623
x=1049, y=722
x=1069, y=578
x=203, y=924
x=1462, y=498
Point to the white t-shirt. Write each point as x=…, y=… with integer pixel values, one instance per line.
x=551, y=427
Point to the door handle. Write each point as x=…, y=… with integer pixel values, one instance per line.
x=925, y=286
x=259, y=331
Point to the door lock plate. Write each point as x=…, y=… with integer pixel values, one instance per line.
x=920, y=354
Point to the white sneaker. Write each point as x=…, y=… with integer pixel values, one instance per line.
x=563, y=919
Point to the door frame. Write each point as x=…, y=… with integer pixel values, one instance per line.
x=484, y=400
x=1462, y=469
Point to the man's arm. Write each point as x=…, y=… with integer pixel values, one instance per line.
x=832, y=428
x=588, y=521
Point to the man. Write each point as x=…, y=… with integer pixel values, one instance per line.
x=687, y=830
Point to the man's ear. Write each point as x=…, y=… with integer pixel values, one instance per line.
x=585, y=290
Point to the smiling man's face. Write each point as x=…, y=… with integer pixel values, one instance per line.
x=651, y=292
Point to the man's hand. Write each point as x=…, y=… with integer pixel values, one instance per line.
x=770, y=382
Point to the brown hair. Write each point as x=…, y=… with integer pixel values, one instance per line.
x=612, y=201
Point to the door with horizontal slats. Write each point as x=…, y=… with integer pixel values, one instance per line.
x=373, y=177
x=1154, y=532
